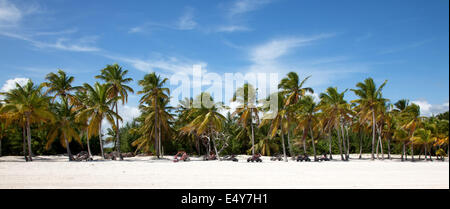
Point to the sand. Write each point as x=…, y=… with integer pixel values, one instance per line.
x=146, y=172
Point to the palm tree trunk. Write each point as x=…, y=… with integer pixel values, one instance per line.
x=360, y=144
x=282, y=141
x=253, y=134
x=313, y=143
x=412, y=151
x=305, y=133
x=67, y=147
x=381, y=143
x=389, y=149
x=156, y=128
x=339, y=141
x=88, y=145
x=214, y=145
x=24, y=143
x=289, y=143
x=403, y=151
x=159, y=139
x=330, y=144
x=348, y=144
x=377, y=149
x=343, y=142
x=29, y=138
x=118, y=134
x=100, y=139
x=373, y=133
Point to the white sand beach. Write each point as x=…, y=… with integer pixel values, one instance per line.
x=146, y=172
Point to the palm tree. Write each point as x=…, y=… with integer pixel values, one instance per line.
x=64, y=127
x=116, y=77
x=98, y=108
x=337, y=110
x=306, y=120
x=370, y=97
x=29, y=103
x=153, y=91
x=293, y=90
x=277, y=120
x=61, y=86
x=207, y=119
x=80, y=102
x=247, y=110
x=411, y=120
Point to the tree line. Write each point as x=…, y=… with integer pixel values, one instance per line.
x=57, y=117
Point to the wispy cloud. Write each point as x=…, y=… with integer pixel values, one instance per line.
x=405, y=47
x=240, y=7
x=186, y=21
x=232, y=28
x=270, y=51
x=11, y=15
x=168, y=64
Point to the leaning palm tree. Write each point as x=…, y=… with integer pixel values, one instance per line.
x=98, y=108
x=411, y=121
x=64, y=127
x=247, y=109
x=152, y=91
x=81, y=102
x=29, y=103
x=370, y=97
x=116, y=77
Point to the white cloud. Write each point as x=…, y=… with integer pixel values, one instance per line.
x=232, y=28
x=11, y=84
x=243, y=6
x=186, y=21
x=427, y=109
x=276, y=48
x=9, y=13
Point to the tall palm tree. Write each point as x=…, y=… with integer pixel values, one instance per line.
x=278, y=121
x=31, y=104
x=116, y=77
x=411, y=121
x=98, y=108
x=80, y=102
x=64, y=127
x=247, y=109
x=292, y=88
x=370, y=97
x=152, y=91
x=337, y=110
x=306, y=120
x=61, y=86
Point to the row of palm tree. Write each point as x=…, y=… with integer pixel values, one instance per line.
x=70, y=111
x=73, y=112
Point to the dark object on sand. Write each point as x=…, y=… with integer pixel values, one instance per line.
x=255, y=158
x=302, y=158
x=83, y=155
x=181, y=156
x=114, y=156
x=230, y=158
x=276, y=157
x=323, y=158
x=211, y=156
x=128, y=154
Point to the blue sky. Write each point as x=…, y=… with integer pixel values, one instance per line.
x=338, y=43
